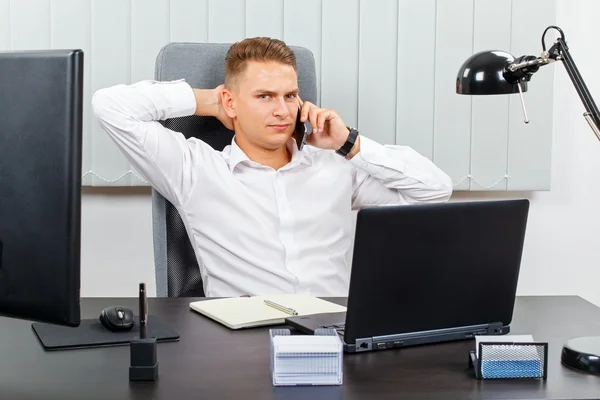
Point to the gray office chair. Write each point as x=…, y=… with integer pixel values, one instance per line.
x=201, y=65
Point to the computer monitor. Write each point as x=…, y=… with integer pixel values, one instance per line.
x=41, y=99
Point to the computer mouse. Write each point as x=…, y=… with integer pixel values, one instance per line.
x=117, y=318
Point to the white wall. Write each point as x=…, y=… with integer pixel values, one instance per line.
x=561, y=255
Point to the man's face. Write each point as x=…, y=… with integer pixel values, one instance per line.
x=265, y=103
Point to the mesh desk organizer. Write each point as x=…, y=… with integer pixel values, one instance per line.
x=306, y=359
x=509, y=357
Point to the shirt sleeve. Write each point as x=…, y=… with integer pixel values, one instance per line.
x=395, y=175
x=130, y=115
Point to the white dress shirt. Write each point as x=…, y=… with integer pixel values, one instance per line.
x=256, y=230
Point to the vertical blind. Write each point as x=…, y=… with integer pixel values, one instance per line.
x=387, y=66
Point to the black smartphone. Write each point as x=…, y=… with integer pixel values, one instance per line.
x=300, y=131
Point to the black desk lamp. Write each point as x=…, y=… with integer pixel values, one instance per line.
x=498, y=72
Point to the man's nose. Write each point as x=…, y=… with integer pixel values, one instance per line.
x=281, y=110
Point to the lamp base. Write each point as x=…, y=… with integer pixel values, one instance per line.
x=582, y=354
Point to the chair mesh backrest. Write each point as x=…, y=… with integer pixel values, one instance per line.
x=201, y=65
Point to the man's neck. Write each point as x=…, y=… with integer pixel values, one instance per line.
x=270, y=158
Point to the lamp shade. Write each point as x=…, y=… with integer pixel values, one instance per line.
x=486, y=73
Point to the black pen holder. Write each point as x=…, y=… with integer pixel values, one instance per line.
x=143, y=360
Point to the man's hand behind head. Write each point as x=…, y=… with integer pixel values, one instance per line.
x=208, y=103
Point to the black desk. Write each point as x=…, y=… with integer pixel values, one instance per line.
x=212, y=362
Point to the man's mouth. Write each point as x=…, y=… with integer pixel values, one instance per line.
x=280, y=127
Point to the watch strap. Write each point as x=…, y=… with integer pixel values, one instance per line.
x=347, y=147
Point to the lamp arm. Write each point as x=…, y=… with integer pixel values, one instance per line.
x=528, y=61
x=560, y=51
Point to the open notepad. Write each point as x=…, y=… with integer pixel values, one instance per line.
x=248, y=312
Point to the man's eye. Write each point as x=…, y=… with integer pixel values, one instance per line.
x=263, y=96
x=291, y=96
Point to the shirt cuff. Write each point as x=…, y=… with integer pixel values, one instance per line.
x=181, y=98
x=368, y=151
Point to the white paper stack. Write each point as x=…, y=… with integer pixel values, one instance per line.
x=501, y=338
x=306, y=359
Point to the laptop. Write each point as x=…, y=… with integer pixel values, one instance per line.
x=429, y=273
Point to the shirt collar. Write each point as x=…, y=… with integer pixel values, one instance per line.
x=237, y=155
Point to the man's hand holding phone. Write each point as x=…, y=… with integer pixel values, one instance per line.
x=328, y=129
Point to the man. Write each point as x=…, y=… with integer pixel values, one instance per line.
x=262, y=216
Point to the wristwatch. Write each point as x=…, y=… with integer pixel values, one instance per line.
x=345, y=149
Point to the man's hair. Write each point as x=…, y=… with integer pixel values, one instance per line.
x=255, y=49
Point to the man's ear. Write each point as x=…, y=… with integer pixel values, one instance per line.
x=228, y=102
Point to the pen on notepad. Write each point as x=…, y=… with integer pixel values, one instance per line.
x=279, y=307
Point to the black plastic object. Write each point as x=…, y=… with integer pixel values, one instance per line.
x=143, y=360
x=41, y=103
x=457, y=266
x=582, y=354
x=117, y=318
x=300, y=131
